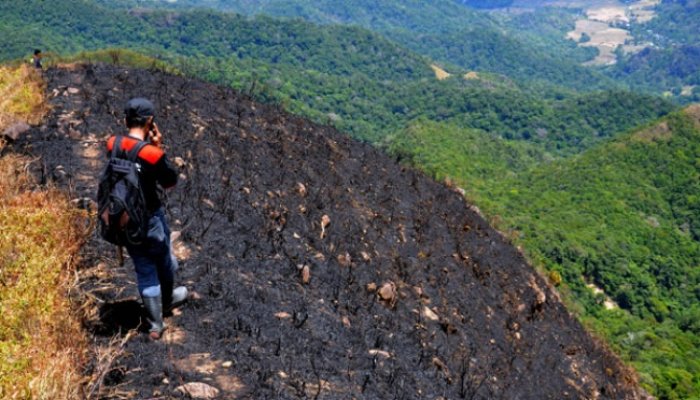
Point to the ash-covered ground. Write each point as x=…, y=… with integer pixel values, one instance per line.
x=319, y=267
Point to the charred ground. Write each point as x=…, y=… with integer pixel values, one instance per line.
x=468, y=318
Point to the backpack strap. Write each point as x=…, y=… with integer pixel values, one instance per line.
x=131, y=155
x=117, y=147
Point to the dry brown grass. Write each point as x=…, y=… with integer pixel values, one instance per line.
x=42, y=345
x=657, y=133
x=440, y=73
x=21, y=96
x=693, y=111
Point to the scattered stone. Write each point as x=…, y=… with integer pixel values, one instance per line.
x=208, y=202
x=305, y=274
x=377, y=352
x=371, y=287
x=365, y=256
x=166, y=381
x=344, y=260
x=283, y=315
x=198, y=390
x=227, y=364
x=179, y=162
x=541, y=298
x=439, y=363
x=430, y=314
x=195, y=295
x=346, y=321
x=388, y=292
x=72, y=90
x=301, y=189
x=14, y=131
x=325, y=221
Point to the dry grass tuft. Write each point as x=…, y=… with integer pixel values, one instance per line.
x=440, y=73
x=42, y=345
x=657, y=133
x=21, y=96
x=693, y=111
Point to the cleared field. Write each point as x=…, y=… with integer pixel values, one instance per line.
x=440, y=73
x=605, y=38
x=608, y=14
x=602, y=27
x=643, y=11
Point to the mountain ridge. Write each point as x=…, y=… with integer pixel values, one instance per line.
x=621, y=216
x=463, y=314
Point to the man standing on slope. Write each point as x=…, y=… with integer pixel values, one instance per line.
x=36, y=59
x=153, y=259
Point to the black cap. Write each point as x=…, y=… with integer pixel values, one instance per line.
x=139, y=109
x=37, y=52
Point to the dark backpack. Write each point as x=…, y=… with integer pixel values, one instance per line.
x=122, y=215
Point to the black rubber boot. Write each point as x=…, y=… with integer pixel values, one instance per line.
x=154, y=316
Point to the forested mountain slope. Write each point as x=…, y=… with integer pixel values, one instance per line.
x=443, y=30
x=619, y=224
x=355, y=79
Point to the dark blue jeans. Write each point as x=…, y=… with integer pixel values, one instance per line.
x=154, y=261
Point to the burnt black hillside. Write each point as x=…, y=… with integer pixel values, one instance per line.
x=410, y=294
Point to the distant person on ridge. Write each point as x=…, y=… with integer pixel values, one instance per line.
x=36, y=59
x=153, y=259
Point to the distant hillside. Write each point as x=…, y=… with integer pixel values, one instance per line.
x=356, y=80
x=672, y=63
x=622, y=217
x=443, y=30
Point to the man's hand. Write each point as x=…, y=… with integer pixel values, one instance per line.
x=156, y=136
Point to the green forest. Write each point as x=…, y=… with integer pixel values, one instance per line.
x=464, y=37
x=594, y=175
x=528, y=47
x=359, y=81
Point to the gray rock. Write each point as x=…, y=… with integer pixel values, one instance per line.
x=198, y=390
x=14, y=131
